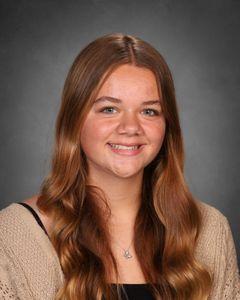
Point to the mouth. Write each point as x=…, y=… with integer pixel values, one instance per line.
x=125, y=146
x=126, y=151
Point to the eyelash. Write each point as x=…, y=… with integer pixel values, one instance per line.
x=154, y=110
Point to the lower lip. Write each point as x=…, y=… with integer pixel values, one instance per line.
x=125, y=151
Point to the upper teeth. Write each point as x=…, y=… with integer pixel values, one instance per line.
x=123, y=147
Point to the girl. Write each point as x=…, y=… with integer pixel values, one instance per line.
x=115, y=218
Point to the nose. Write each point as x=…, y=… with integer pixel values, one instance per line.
x=129, y=124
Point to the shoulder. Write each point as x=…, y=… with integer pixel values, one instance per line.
x=214, y=223
x=21, y=235
x=8, y=215
x=32, y=201
x=215, y=235
x=216, y=249
x=16, y=219
x=213, y=229
x=211, y=216
x=26, y=254
x=14, y=212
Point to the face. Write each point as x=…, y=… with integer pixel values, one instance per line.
x=119, y=116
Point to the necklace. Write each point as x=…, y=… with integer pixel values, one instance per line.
x=126, y=254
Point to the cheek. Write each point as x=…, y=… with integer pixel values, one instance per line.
x=94, y=132
x=156, y=133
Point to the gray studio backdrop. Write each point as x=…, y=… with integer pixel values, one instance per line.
x=200, y=42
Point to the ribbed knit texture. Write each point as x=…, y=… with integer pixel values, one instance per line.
x=30, y=268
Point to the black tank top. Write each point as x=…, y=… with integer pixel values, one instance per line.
x=138, y=291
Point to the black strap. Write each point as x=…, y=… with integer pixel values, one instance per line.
x=34, y=214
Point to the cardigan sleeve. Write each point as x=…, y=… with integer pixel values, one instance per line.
x=227, y=273
x=7, y=288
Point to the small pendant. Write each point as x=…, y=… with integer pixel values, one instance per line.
x=127, y=255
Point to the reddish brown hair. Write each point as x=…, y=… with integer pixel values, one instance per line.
x=169, y=220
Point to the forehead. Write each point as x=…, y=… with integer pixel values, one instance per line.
x=130, y=81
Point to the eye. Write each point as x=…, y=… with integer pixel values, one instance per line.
x=106, y=108
x=156, y=112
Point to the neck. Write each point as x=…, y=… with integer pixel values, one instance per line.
x=123, y=196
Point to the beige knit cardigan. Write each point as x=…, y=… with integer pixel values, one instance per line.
x=30, y=268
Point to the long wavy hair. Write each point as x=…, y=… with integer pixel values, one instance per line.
x=169, y=220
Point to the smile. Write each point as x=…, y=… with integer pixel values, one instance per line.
x=115, y=146
x=124, y=150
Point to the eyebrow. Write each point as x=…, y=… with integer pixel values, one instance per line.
x=116, y=100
